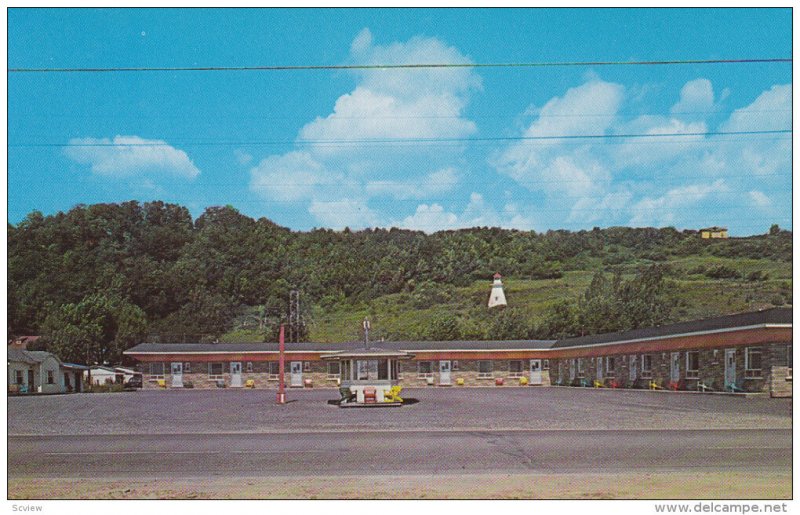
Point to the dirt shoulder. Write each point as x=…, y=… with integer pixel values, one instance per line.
x=666, y=485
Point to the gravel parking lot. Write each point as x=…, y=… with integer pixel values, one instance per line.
x=253, y=411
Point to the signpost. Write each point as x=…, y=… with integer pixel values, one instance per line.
x=281, y=364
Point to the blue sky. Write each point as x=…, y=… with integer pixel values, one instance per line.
x=294, y=146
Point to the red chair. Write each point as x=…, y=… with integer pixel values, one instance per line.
x=370, y=396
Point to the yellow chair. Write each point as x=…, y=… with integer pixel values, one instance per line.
x=393, y=395
x=250, y=383
x=523, y=381
x=598, y=384
x=162, y=383
x=654, y=386
x=460, y=381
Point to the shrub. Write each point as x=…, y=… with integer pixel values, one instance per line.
x=722, y=272
x=757, y=275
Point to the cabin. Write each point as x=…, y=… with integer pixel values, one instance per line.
x=714, y=233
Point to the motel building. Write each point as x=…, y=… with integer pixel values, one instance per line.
x=741, y=353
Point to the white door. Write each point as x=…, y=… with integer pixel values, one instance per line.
x=571, y=370
x=444, y=373
x=296, y=369
x=730, y=366
x=536, y=371
x=236, y=374
x=675, y=367
x=599, y=369
x=177, y=375
x=633, y=363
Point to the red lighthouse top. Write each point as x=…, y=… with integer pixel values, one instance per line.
x=497, y=276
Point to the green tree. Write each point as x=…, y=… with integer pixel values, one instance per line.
x=95, y=330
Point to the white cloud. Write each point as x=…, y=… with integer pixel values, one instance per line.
x=385, y=104
x=559, y=166
x=759, y=199
x=127, y=156
x=697, y=98
x=478, y=213
x=437, y=182
x=291, y=176
x=666, y=210
x=341, y=213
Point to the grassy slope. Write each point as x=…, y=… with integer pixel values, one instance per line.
x=699, y=297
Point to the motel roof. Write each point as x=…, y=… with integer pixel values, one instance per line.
x=774, y=316
x=756, y=319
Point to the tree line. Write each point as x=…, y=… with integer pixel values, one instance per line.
x=111, y=275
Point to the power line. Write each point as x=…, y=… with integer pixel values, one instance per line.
x=388, y=66
x=417, y=140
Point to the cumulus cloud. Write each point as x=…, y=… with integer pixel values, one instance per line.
x=349, y=145
x=478, y=213
x=649, y=181
x=127, y=156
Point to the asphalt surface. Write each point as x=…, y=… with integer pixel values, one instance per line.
x=443, y=409
x=397, y=453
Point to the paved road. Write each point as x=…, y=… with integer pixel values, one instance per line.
x=403, y=452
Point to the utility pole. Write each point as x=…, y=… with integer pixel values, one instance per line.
x=281, y=367
x=294, y=316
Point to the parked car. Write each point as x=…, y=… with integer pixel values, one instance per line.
x=134, y=382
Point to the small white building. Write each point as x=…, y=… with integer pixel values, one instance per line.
x=497, y=297
x=34, y=372
x=102, y=374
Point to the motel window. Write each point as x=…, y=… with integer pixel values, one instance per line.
x=156, y=371
x=455, y=365
x=580, y=368
x=752, y=362
x=693, y=364
x=215, y=371
x=274, y=371
x=425, y=369
x=249, y=366
x=333, y=370
x=484, y=369
x=187, y=368
x=647, y=366
x=610, y=364
x=306, y=366
x=18, y=376
x=515, y=369
x=546, y=364
x=51, y=378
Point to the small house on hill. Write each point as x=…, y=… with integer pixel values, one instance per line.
x=714, y=232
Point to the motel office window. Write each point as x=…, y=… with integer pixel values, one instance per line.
x=333, y=370
x=156, y=371
x=546, y=364
x=647, y=366
x=484, y=369
x=51, y=378
x=454, y=365
x=425, y=369
x=515, y=369
x=693, y=364
x=273, y=371
x=249, y=366
x=752, y=362
x=215, y=371
x=187, y=368
x=789, y=360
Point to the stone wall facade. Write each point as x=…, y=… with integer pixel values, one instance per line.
x=774, y=369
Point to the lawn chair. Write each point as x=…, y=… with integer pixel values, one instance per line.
x=654, y=385
x=598, y=384
x=370, y=395
x=584, y=383
x=393, y=395
x=613, y=383
x=346, y=394
x=705, y=386
x=735, y=387
x=675, y=386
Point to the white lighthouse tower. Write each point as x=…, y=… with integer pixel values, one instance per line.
x=497, y=297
